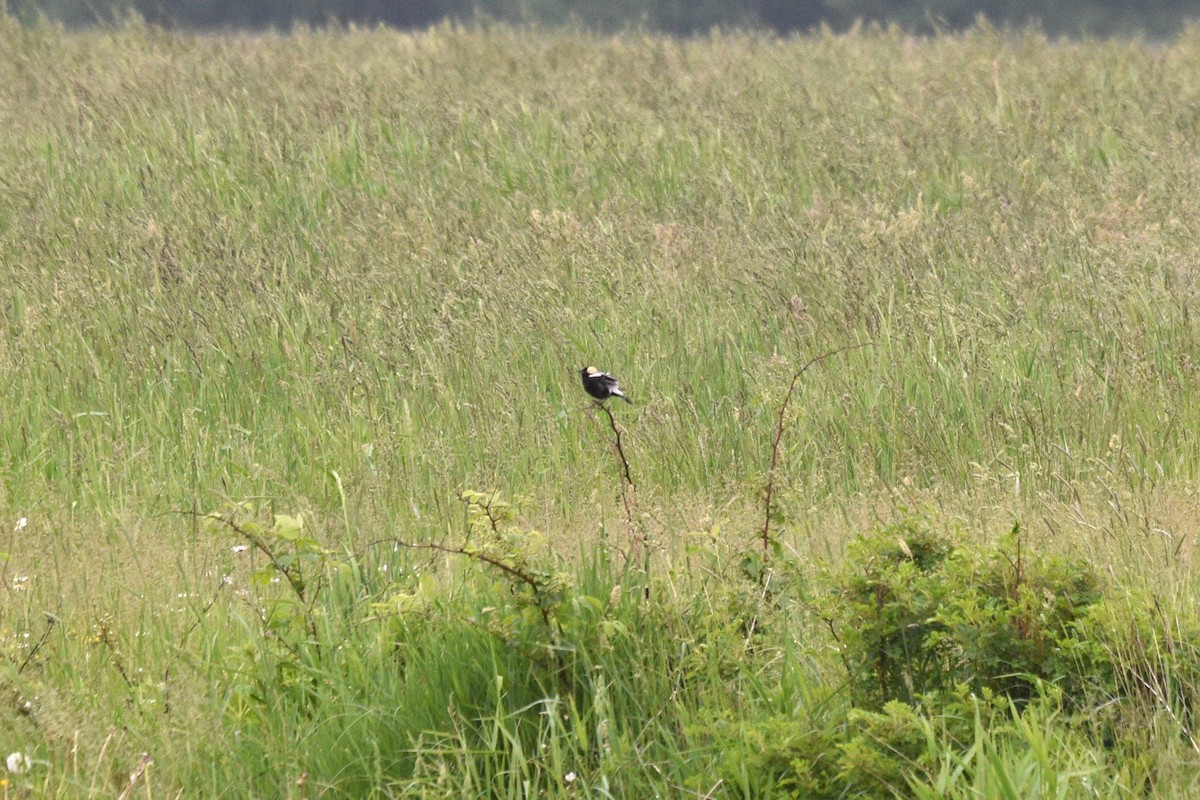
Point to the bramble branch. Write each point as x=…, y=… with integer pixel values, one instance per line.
x=787, y=398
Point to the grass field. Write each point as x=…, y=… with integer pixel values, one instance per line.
x=275, y=308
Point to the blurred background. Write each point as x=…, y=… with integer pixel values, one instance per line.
x=1149, y=18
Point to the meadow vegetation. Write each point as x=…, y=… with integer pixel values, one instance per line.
x=300, y=495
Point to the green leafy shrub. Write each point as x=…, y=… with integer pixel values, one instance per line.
x=838, y=753
x=1012, y=616
x=883, y=748
x=885, y=599
x=782, y=756
x=916, y=613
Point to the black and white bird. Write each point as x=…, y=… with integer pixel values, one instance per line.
x=601, y=385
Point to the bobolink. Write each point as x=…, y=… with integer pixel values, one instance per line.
x=601, y=385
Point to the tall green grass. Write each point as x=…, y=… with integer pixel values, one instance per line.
x=353, y=273
x=234, y=264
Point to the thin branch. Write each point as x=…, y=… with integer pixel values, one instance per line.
x=51, y=620
x=525, y=577
x=612, y=421
x=292, y=573
x=486, y=508
x=507, y=569
x=787, y=398
x=296, y=582
x=628, y=487
x=221, y=584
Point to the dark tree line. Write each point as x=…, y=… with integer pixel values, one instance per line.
x=1155, y=18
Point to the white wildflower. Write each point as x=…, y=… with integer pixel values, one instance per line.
x=18, y=762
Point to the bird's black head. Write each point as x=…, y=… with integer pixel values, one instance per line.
x=588, y=371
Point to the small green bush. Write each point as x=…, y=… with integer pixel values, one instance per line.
x=917, y=613
x=883, y=748
x=783, y=757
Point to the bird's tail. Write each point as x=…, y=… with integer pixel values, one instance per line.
x=626, y=399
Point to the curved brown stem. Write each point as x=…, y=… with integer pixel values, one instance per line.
x=628, y=491
x=612, y=421
x=787, y=398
